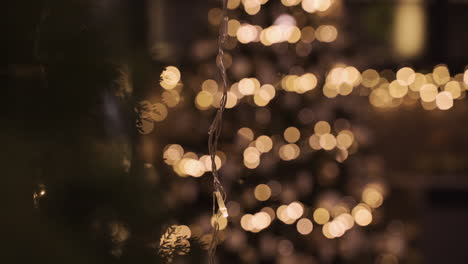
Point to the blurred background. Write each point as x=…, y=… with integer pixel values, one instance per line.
x=343, y=139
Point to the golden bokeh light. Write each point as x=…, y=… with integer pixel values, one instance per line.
x=397, y=90
x=203, y=100
x=295, y=210
x=264, y=143
x=454, y=88
x=321, y=216
x=289, y=152
x=441, y=74
x=246, y=133
x=327, y=141
x=326, y=33
x=405, y=76
x=370, y=78
x=362, y=215
x=291, y=134
x=170, y=77
x=262, y=192
x=372, y=197
x=322, y=128
x=247, y=86
x=444, y=100
x=233, y=26
x=304, y=226
x=233, y=4
x=428, y=92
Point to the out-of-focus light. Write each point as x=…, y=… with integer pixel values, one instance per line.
x=173, y=153
x=295, y=210
x=233, y=26
x=264, y=143
x=441, y=74
x=454, y=88
x=327, y=141
x=321, y=216
x=233, y=4
x=362, y=215
x=314, y=142
x=304, y=226
x=326, y=231
x=170, y=77
x=370, y=78
x=409, y=29
x=291, y=134
x=397, y=90
x=290, y=2
x=247, y=33
x=345, y=139
x=322, y=128
x=444, y=100
x=428, y=92
x=405, y=76
x=372, y=197
x=289, y=152
x=326, y=33
x=246, y=133
x=262, y=192
x=210, y=86
x=246, y=222
x=247, y=86
x=203, y=100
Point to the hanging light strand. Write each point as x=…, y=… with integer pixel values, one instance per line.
x=219, y=195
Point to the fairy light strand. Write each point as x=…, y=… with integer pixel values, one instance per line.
x=219, y=195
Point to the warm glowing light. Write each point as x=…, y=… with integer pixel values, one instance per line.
x=291, y=134
x=289, y=151
x=362, y=215
x=246, y=33
x=314, y=142
x=246, y=133
x=262, y=192
x=444, y=100
x=246, y=86
x=428, y=92
x=304, y=226
x=454, y=88
x=322, y=128
x=321, y=216
x=203, y=100
x=405, y=76
x=170, y=77
x=246, y=222
x=345, y=139
x=233, y=4
x=326, y=33
x=441, y=74
x=173, y=153
x=396, y=90
x=233, y=26
x=370, y=78
x=264, y=144
x=409, y=29
x=295, y=210
x=261, y=220
x=327, y=141
x=372, y=197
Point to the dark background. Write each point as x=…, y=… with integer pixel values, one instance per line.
x=55, y=127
